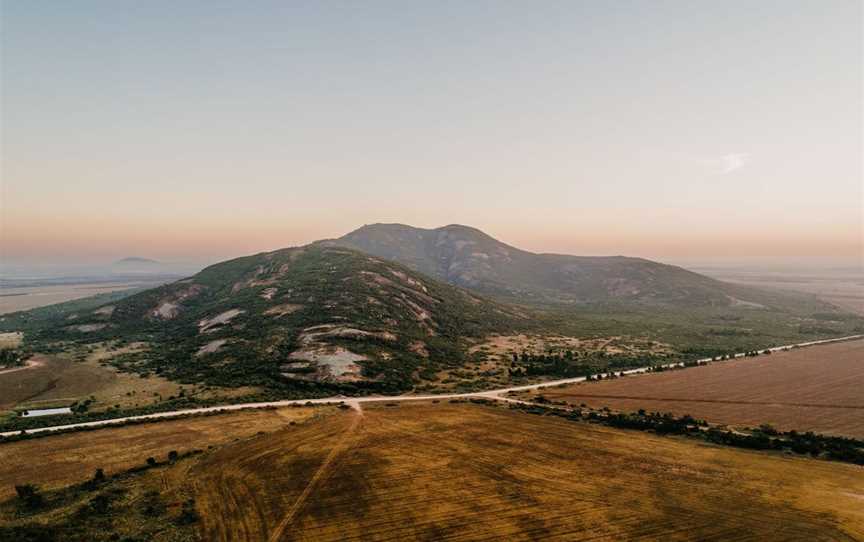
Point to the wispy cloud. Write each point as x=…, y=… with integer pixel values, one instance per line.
x=711, y=164
x=732, y=162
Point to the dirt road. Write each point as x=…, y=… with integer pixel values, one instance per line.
x=31, y=363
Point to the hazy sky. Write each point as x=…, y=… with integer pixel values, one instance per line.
x=680, y=130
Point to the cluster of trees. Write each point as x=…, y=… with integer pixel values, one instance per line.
x=763, y=438
x=570, y=364
x=29, y=496
x=837, y=448
x=80, y=407
x=11, y=357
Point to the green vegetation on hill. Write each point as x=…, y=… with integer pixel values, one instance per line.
x=609, y=296
x=326, y=319
x=313, y=319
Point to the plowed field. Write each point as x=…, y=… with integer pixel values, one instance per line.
x=818, y=388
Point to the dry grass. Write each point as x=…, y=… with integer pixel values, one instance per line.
x=819, y=388
x=81, y=373
x=464, y=472
x=58, y=380
x=60, y=460
x=11, y=340
x=53, y=379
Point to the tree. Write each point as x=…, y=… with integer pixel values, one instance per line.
x=29, y=495
x=173, y=456
x=188, y=515
x=99, y=476
x=151, y=461
x=100, y=504
x=768, y=429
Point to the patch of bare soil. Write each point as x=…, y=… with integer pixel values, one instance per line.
x=324, y=363
x=87, y=328
x=211, y=324
x=211, y=347
x=283, y=309
x=170, y=306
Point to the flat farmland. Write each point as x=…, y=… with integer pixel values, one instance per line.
x=59, y=460
x=31, y=297
x=819, y=388
x=843, y=288
x=466, y=472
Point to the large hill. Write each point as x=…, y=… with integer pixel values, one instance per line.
x=373, y=312
x=467, y=257
x=311, y=316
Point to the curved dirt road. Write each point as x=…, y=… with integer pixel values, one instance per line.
x=32, y=363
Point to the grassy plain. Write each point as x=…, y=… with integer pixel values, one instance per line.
x=57, y=380
x=817, y=388
x=85, y=373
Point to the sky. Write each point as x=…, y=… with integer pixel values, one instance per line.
x=683, y=131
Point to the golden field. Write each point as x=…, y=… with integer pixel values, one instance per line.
x=445, y=471
x=59, y=460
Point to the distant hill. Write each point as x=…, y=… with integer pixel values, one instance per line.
x=134, y=260
x=135, y=265
x=302, y=317
x=467, y=257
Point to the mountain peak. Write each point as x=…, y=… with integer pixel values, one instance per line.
x=466, y=256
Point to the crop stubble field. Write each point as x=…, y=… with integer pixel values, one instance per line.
x=55, y=461
x=444, y=471
x=466, y=472
x=819, y=388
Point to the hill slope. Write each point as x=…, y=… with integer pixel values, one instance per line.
x=467, y=257
x=308, y=317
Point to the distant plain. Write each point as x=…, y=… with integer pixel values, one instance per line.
x=31, y=297
x=843, y=288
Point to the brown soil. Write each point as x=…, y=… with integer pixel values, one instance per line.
x=819, y=388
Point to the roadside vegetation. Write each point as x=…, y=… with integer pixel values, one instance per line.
x=816, y=388
x=765, y=437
